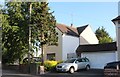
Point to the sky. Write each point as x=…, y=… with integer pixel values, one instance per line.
x=96, y=14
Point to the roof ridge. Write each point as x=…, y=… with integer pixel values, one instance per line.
x=84, y=25
x=67, y=25
x=67, y=29
x=74, y=31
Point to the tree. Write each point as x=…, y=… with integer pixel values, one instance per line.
x=103, y=36
x=14, y=32
x=16, y=22
x=0, y=32
x=45, y=23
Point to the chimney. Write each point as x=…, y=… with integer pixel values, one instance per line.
x=71, y=25
x=116, y=21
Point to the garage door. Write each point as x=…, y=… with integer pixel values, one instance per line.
x=99, y=59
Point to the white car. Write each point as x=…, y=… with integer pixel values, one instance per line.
x=73, y=65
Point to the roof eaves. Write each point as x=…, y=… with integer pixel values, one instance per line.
x=117, y=18
x=97, y=47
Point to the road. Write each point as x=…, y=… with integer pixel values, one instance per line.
x=81, y=73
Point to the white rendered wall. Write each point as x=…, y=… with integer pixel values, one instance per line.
x=99, y=59
x=69, y=45
x=118, y=39
x=88, y=37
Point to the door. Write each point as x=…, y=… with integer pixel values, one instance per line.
x=99, y=59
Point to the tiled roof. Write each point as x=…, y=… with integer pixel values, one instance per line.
x=117, y=18
x=81, y=29
x=97, y=47
x=70, y=30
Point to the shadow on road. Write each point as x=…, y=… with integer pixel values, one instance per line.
x=80, y=73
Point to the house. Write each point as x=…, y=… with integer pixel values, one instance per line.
x=100, y=54
x=69, y=38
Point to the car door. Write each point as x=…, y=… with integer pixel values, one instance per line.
x=85, y=62
x=80, y=63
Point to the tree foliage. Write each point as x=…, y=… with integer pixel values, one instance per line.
x=15, y=28
x=14, y=32
x=103, y=36
x=45, y=23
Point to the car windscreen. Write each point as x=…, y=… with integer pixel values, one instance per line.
x=69, y=61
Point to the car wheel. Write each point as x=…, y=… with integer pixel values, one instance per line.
x=71, y=70
x=87, y=67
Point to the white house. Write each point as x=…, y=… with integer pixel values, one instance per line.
x=69, y=38
x=100, y=54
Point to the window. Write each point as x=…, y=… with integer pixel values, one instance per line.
x=51, y=56
x=86, y=60
x=83, y=60
x=118, y=22
x=79, y=60
x=70, y=61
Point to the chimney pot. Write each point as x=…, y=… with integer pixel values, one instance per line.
x=71, y=25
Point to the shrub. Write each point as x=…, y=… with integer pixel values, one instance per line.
x=59, y=62
x=49, y=65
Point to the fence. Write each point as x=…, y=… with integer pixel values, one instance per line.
x=111, y=73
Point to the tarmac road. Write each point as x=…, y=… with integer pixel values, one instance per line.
x=81, y=73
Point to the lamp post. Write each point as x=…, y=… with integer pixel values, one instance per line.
x=42, y=66
x=29, y=49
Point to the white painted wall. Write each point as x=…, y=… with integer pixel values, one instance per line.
x=88, y=37
x=99, y=59
x=69, y=45
x=117, y=25
x=37, y=53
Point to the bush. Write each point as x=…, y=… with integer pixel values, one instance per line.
x=50, y=65
x=59, y=62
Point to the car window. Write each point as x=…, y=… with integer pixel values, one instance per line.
x=86, y=60
x=79, y=60
x=83, y=60
x=70, y=61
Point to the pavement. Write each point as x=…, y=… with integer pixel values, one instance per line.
x=13, y=73
x=81, y=73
